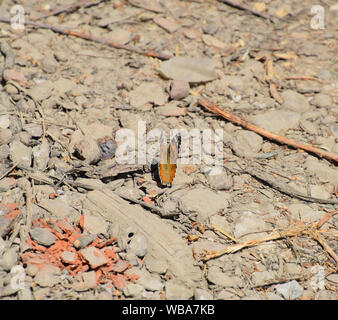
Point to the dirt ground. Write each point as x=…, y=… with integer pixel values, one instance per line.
x=77, y=223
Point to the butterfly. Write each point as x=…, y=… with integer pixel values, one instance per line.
x=168, y=159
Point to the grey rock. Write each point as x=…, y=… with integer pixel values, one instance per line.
x=290, y=290
x=7, y=184
x=133, y=290
x=303, y=212
x=321, y=100
x=334, y=129
x=222, y=181
x=321, y=170
x=8, y=291
x=34, y=129
x=210, y=28
x=120, y=266
x=9, y=259
x=42, y=236
x=25, y=138
x=203, y=203
x=41, y=91
x=151, y=283
x=68, y=257
x=147, y=93
x=221, y=223
x=41, y=155
x=248, y=225
x=277, y=121
x=93, y=256
x=49, y=64
x=247, y=143
x=4, y=121
x=63, y=85
x=325, y=295
x=293, y=269
x=295, y=101
x=4, y=223
x=31, y=270
x=4, y=150
x=48, y=276
x=218, y=277
x=25, y=294
x=190, y=69
x=201, y=294
x=18, y=152
x=57, y=207
x=41, y=293
x=261, y=278
x=171, y=110
x=308, y=127
x=319, y=192
x=226, y=295
x=85, y=281
x=130, y=192
x=153, y=265
x=176, y=291
x=273, y=296
x=95, y=224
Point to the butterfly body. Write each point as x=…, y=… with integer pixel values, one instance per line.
x=168, y=160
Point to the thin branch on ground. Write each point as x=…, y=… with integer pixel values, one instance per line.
x=283, y=140
x=296, y=229
x=238, y=5
x=150, y=53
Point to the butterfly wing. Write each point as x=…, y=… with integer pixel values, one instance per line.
x=168, y=160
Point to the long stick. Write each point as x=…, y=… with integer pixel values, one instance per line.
x=238, y=5
x=150, y=53
x=283, y=140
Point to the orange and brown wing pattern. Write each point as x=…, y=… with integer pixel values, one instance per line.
x=168, y=160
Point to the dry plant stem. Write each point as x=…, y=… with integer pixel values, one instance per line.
x=237, y=247
x=9, y=170
x=238, y=5
x=311, y=230
x=282, y=187
x=315, y=235
x=283, y=140
x=150, y=53
x=325, y=219
x=224, y=233
x=28, y=192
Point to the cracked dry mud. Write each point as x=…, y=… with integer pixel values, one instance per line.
x=77, y=224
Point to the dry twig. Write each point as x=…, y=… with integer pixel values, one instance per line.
x=294, y=230
x=150, y=53
x=238, y=5
x=283, y=140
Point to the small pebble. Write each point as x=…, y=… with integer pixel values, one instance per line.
x=179, y=89
x=290, y=290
